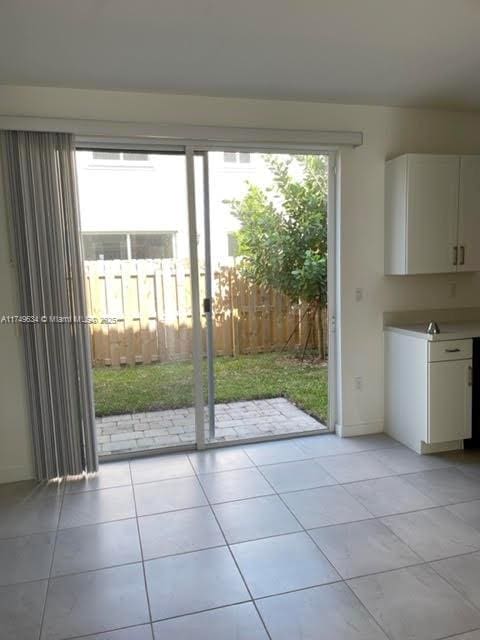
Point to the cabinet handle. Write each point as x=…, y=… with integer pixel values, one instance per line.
x=462, y=255
x=452, y=350
x=470, y=376
x=455, y=256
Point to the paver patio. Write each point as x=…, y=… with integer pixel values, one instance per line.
x=234, y=421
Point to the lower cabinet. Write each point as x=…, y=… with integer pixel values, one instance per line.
x=449, y=401
x=428, y=391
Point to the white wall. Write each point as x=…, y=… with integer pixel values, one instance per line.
x=387, y=131
x=15, y=443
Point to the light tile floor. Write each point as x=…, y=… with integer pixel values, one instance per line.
x=302, y=539
x=234, y=421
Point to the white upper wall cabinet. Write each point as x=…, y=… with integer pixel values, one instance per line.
x=432, y=214
x=469, y=214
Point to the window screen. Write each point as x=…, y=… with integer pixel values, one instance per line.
x=135, y=157
x=234, y=157
x=106, y=155
x=115, y=156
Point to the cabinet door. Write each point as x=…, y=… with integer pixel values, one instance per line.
x=432, y=213
x=469, y=215
x=449, y=400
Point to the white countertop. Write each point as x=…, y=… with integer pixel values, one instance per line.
x=448, y=330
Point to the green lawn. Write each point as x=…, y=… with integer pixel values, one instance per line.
x=169, y=385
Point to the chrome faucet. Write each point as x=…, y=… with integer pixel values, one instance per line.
x=433, y=328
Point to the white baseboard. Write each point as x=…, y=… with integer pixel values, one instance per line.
x=363, y=429
x=16, y=474
x=453, y=445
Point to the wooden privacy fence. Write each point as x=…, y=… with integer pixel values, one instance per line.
x=144, y=315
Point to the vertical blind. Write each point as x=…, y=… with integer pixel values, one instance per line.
x=42, y=199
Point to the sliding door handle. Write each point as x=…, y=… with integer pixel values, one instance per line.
x=455, y=256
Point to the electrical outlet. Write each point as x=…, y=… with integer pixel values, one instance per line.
x=358, y=294
x=358, y=380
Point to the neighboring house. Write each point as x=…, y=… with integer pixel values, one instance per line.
x=133, y=205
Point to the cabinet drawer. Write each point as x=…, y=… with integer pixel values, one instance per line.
x=449, y=350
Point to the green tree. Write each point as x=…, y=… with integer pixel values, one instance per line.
x=283, y=234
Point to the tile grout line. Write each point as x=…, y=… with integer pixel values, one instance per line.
x=233, y=556
x=407, y=513
x=455, y=635
x=279, y=535
x=304, y=530
x=186, y=553
x=49, y=579
x=147, y=595
x=423, y=564
x=405, y=476
x=476, y=607
x=194, y=613
x=387, y=635
x=131, y=626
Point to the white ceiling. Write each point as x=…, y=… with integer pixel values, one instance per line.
x=397, y=52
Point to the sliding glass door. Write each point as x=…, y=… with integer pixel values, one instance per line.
x=265, y=318
x=140, y=283
x=206, y=281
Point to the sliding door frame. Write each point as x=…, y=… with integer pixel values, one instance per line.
x=208, y=302
x=191, y=150
x=196, y=310
x=333, y=292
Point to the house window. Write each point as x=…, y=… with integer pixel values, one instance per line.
x=116, y=156
x=128, y=246
x=152, y=245
x=231, y=157
x=232, y=245
x=105, y=246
